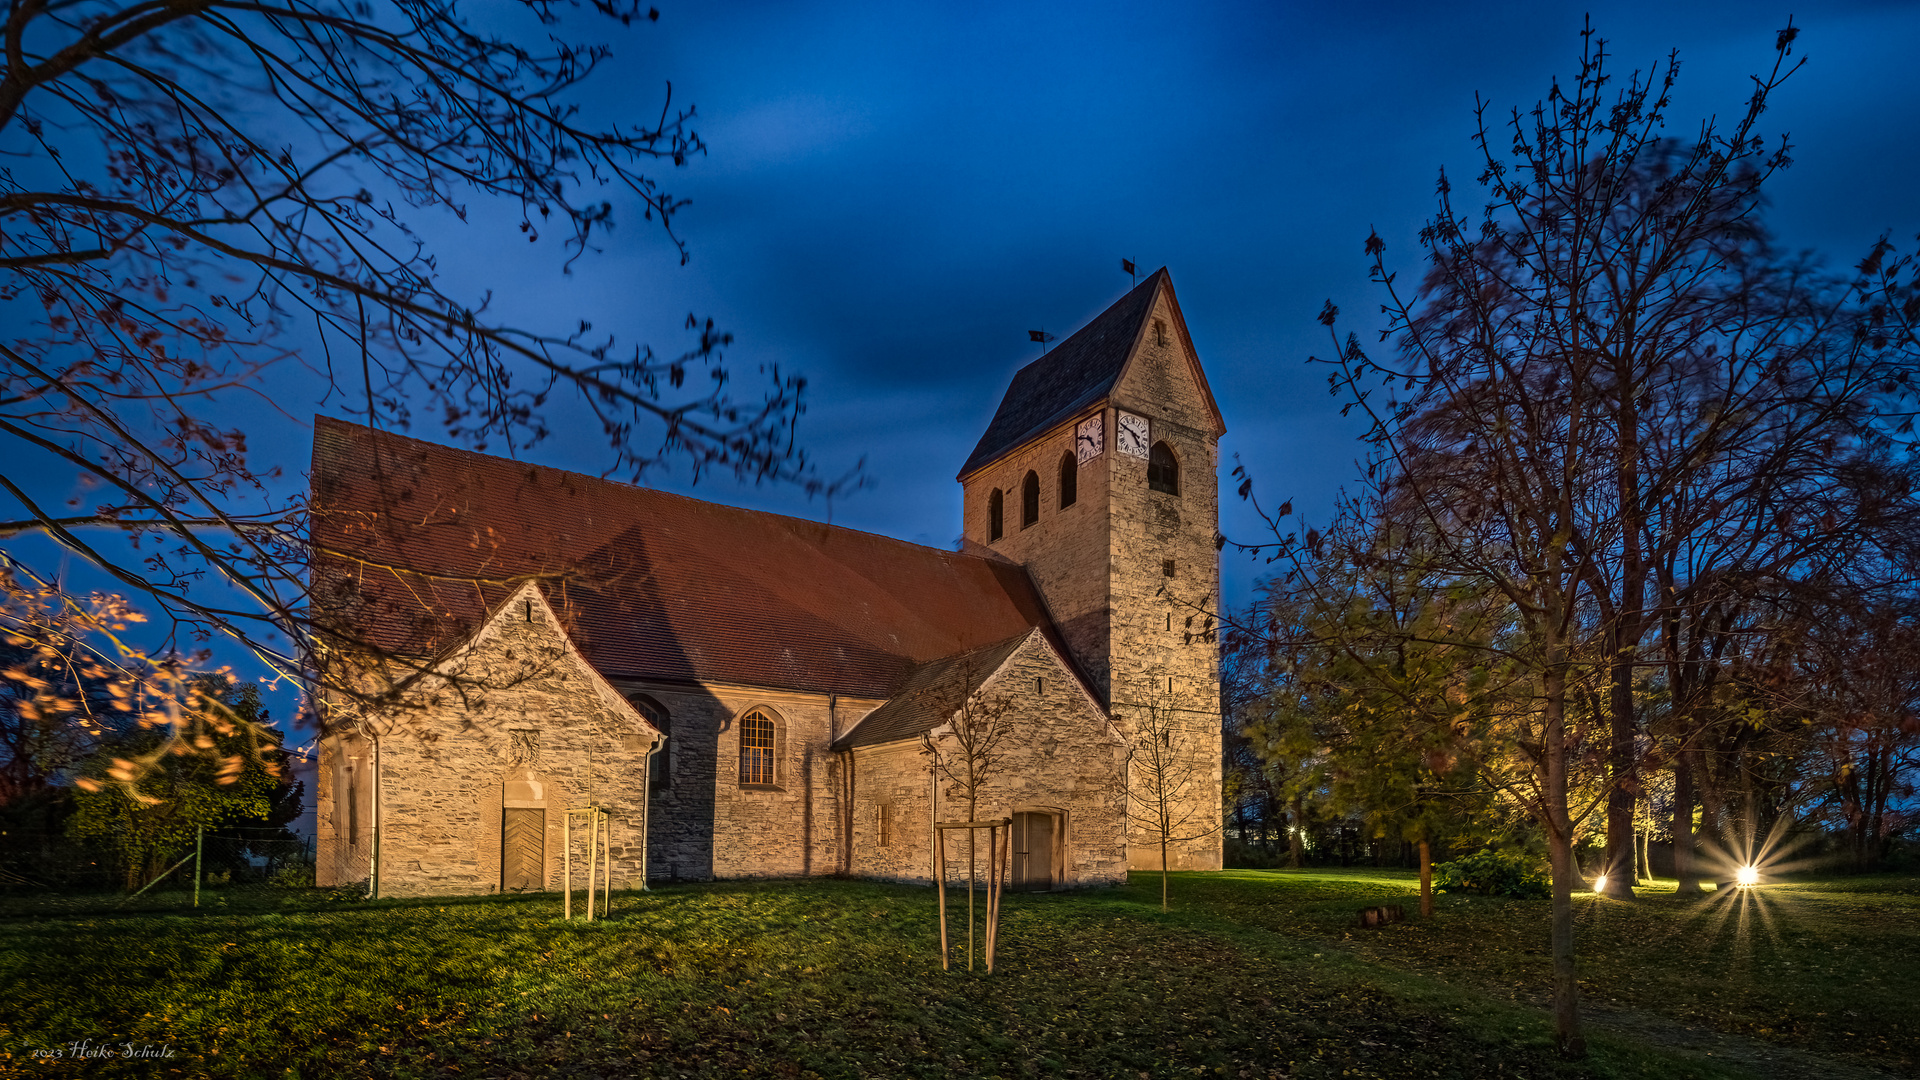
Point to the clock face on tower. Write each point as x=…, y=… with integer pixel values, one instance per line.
x=1133, y=435
x=1090, y=438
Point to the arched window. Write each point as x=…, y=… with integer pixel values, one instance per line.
x=1069, y=480
x=759, y=740
x=659, y=775
x=1030, y=499
x=996, y=516
x=1163, y=469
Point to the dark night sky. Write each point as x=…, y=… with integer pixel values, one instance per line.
x=894, y=195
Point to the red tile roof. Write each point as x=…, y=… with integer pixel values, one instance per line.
x=417, y=541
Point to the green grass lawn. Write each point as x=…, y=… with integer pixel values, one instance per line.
x=1256, y=974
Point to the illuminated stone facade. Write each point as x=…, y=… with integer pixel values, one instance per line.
x=1077, y=614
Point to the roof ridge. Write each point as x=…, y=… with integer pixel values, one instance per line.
x=322, y=419
x=1078, y=371
x=907, y=696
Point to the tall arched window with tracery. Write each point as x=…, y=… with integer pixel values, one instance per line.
x=759, y=739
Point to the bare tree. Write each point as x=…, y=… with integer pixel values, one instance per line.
x=1576, y=365
x=964, y=754
x=212, y=209
x=1169, y=787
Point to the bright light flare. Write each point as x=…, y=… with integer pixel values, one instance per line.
x=1600, y=883
x=1747, y=875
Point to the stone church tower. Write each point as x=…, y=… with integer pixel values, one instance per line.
x=1098, y=474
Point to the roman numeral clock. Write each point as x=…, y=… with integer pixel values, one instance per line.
x=1133, y=435
x=1090, y=438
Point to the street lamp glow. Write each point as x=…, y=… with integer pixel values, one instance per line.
x=1747, y=875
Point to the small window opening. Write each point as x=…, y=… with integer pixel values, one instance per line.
x=657, y=715
x=1069, y=480
x=1169, y=684
x=1159, y=331
x=1169, y=620
x=529, y=611
x=996, y=515
x=1163, y=469
x=1030, y=500
x=1040, y=687
x=353, y=802
x=1166, y=570
x=883, y=825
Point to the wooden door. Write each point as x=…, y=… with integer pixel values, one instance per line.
x=523, y=850
x=1033, y=851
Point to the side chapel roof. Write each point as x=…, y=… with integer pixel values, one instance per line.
x=930, y=695
x=1081, y=371
x=416, y=542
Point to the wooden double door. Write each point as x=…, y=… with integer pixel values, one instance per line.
x=1035, y=836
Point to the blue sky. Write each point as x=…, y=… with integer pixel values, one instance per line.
x=896, y=193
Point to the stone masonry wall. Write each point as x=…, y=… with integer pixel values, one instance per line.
x=526, y=708
x=1159, y=630
x=342, y=831
x=1060, y=755
x=1065, y=552
x=706, y=824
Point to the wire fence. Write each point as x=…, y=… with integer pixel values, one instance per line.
x=211, y=869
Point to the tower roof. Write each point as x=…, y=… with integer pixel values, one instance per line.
x=1079, y=372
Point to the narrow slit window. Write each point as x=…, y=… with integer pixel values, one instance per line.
x=996, y=515
x=353, y=802
x=1166, y=570
x=1069, y=480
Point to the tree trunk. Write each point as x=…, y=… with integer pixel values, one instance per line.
x=1621, y=797
x=1566, y=983
x=1163, y=872
x=970, y=876
x=1688, y=881
x=1426, y=879
x=1297, y=838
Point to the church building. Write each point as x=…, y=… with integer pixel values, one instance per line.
x=752, y=695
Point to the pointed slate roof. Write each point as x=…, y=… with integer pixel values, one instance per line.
x=416, y=543
x=1072, y=376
